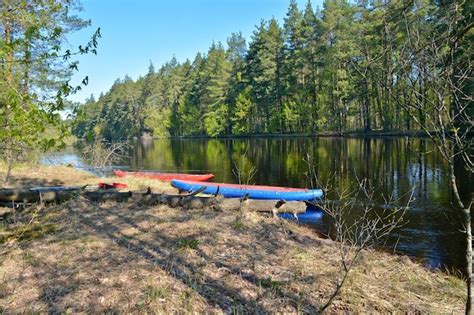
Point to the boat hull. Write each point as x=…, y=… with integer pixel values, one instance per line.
x=310, y=216
x=251, y=191
x=164, y=176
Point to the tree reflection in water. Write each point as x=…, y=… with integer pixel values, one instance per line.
x=394, y=166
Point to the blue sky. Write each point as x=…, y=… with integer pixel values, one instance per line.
x=135, y=32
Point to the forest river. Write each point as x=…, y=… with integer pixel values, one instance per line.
x=395, y=167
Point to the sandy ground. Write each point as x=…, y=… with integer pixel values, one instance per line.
x=122, y=257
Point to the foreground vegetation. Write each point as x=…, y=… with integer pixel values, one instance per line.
x=89, y=257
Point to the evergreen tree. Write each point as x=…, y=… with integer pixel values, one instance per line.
x=244, y=109
x=293, y=52
x=236, y=53
x=264, y=67
x=189, y=110
x=215, y=74
x=337, y=24
x=312, y=67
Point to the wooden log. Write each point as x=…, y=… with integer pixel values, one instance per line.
x=280, y=206
x=147, y=199
x=29, y=196
x=17, y=195
x=252, y=205
x=294, y=207
x=189, y=201
x=233, y=204
x=102, y=196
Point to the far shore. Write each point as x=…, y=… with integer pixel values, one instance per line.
x=323, y=134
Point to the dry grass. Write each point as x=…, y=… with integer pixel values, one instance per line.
x=28, y=176
x=118, y=257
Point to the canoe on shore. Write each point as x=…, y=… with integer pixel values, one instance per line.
x=310, y=216
x=251, y=191
x=164, y=176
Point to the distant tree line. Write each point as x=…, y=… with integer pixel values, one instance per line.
x=342, y=68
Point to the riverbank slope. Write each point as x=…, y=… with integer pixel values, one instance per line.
x=88, y=257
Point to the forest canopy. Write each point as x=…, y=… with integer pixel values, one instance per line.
x=350, y=66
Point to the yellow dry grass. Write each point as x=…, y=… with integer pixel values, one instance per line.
x=122, y=257
x=40, y=175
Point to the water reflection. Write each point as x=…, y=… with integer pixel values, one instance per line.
x=395, y=166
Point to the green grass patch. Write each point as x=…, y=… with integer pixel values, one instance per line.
x=155, y=292
x=3, y=226
x=269, y=283
x=27, y=232
x=237, y=225
x=188, y=243
x=27, y=257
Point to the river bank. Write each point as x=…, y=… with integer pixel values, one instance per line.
x=320, y=134
x=81, y=256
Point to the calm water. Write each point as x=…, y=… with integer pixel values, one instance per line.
x=395, y=166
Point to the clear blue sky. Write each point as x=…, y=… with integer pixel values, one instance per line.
x=135, y=32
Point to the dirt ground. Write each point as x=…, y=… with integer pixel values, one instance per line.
x=81, y=256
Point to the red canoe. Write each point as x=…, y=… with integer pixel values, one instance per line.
x=165, y=176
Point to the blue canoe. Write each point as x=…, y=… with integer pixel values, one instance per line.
x=310, y=216
x=252, y=191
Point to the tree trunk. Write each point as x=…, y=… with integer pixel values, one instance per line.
x=468, y=230
x=380, y=109
x=366, y=112
x=8, y=62
x=423, y=107
x=26, y=75
x=7, y=26
x=388, y=125
x=314, y=93
x=469, y=300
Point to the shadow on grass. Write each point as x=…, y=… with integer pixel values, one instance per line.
x=183, y=245
x=161, y=249
x=21, y=181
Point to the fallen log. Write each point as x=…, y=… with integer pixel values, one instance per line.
x=33, y=196
x=190, y=201
x=252, y=205
x=103, y=196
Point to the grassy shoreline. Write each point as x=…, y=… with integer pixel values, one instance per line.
x=122, y=257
